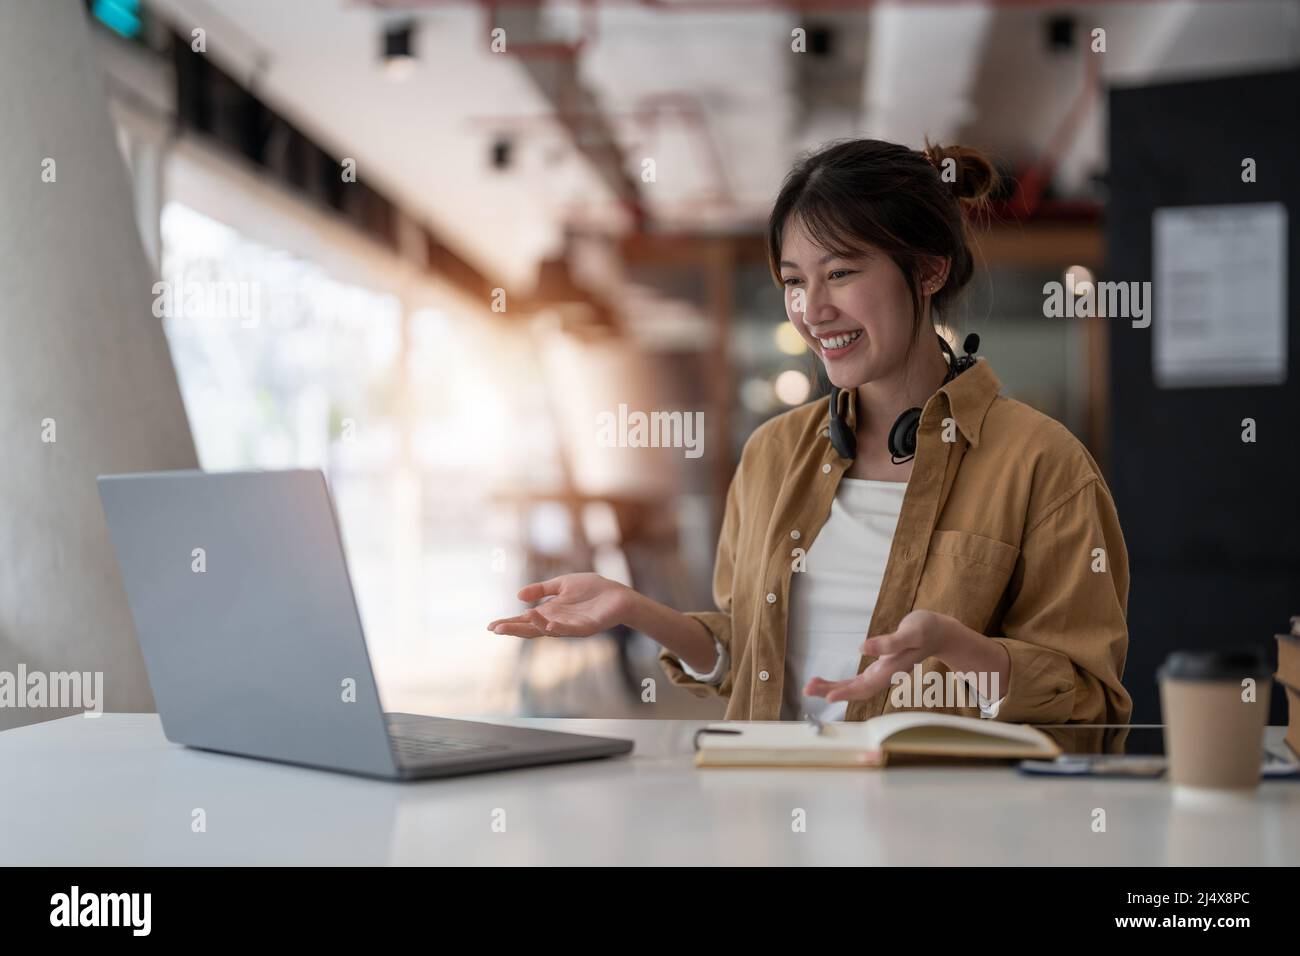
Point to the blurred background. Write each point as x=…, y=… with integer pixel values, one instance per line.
x=426, y=266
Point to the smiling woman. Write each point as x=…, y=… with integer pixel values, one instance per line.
x=863, y=233
x=858, y=207
x=992, y=550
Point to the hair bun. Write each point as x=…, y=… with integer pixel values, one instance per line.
x=973, y=178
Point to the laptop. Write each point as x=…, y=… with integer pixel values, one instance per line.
x=250, y=633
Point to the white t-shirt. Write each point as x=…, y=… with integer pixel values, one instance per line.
x=832, y=600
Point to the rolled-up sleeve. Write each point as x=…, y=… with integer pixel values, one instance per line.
x=718, y=622
x=1066, y=628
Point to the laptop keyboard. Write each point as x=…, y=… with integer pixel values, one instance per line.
x=419, y=748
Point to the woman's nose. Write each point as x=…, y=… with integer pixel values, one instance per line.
x=819, y=314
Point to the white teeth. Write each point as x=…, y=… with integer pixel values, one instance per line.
x=839, y=341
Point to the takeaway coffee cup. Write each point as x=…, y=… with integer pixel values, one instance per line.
x=1214, y=723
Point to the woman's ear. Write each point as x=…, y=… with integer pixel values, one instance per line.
x=934, y=273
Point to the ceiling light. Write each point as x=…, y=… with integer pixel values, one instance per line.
x=399, y=50
x=788, y=339
x=1078, y=278
x=792, y=387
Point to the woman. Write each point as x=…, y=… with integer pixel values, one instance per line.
x=989, y=567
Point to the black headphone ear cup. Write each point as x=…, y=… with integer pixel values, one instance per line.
x=843, y=440
x=902, y=437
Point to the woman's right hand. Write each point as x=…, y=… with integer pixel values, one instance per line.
x=572, y=605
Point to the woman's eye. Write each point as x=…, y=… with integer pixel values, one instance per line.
x=840, y=272
x=792, y=279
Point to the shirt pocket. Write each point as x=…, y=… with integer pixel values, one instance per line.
x=965, y=576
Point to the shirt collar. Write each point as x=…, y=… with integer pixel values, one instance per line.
x=969, y=396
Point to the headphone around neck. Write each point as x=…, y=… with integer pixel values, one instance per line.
x=902, y=437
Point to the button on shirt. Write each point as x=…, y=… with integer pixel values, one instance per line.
x=1006, y=524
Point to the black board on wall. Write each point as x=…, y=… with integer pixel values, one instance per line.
x=1211, y=523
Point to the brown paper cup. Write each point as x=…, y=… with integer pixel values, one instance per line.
x=1214, y=739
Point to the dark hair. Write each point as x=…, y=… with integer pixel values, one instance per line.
x=866, y=191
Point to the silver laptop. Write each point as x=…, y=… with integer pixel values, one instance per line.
x=249, y=629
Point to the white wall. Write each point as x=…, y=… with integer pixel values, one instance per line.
x=79, y=345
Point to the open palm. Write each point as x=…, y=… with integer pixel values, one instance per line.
x=915, y=639
x=572, y=605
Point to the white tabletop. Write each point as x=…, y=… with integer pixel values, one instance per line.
x=112, y=790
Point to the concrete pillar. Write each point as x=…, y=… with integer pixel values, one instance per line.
x=83, y=361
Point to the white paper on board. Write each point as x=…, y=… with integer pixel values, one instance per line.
x=1220, y=295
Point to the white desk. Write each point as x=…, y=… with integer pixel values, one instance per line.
x=112, y=790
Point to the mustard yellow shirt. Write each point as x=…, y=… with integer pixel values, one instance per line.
x=1006, y=525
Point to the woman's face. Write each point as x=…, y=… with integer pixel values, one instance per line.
x=855, y=314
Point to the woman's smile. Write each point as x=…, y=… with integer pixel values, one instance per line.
x=839, y=343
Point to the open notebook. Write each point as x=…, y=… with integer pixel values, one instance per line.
x=892, y=738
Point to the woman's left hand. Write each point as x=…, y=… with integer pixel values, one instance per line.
x=920, y=634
